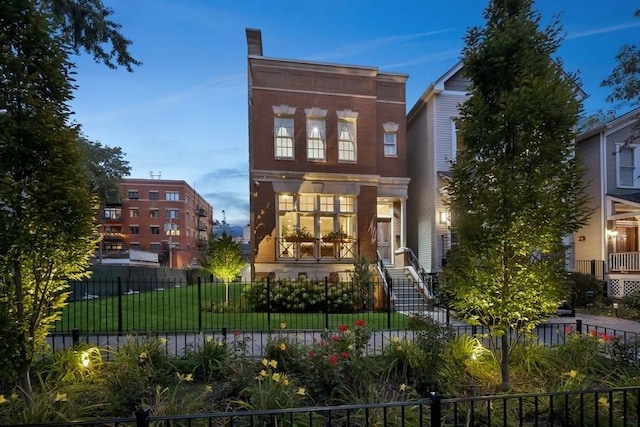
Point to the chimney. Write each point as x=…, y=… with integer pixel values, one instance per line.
x=254, y=42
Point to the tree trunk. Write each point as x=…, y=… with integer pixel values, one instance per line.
x=504, y=362
x=24, y=382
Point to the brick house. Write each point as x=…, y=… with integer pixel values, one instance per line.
x=327, y=165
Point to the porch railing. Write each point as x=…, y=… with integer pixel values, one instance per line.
x=316, y=249
x=624, y=261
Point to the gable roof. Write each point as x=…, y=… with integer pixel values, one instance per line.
x=433, y=89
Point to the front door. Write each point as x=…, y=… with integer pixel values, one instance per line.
x=384, y=239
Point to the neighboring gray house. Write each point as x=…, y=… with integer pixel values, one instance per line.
x=432, y=143
x=611, y=156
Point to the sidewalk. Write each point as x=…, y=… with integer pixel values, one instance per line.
x=601, y=322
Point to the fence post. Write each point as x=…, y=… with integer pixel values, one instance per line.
x=199, y=304
x=75, y=336
x=390, y=292
x=224, y=333
x=141, y=418
x=326, y=303
x=436, y=409
x=268, y=303
x=474, y=330
x=448, y=314
x=593, y=267
x=579, y=326
x=120, y=304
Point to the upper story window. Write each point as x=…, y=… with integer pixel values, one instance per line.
x=347, y=135
x=172, y=196
x=154, y=195
x=112, y=213
x=134, y=213
x=627, y=160
x=173, y=213
x=283, y=131
x=457, y=142
x=133, y=194
x=155, y=229
x=390, y=139
x=316, y=133
x=154, y=213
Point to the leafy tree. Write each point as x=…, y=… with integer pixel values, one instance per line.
x=625, y=78
x=591, y=121
x=47, y=218
x=85, y=25
x=224, y=259
x=105, y=167
x=516, y=190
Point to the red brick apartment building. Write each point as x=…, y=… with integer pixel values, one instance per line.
x=164, y=217
x=328, y=166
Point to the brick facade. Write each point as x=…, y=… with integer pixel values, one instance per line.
x=145, y=215
x=376, y=98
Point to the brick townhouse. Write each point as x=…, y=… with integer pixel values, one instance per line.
x=328, y=165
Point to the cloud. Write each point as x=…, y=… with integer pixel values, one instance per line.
x=602, y=30
x=241, y=172
x=367, y=45
x=434, y=57
x=209, y=89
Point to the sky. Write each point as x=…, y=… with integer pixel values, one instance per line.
x=183, y=114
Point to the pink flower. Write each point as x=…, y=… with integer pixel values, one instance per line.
x=344, y=355
x=359, y=323
x=333, y=359
x=343, y=328
x=312, y=354
x=336, y=337
x=568, y=330
x=236, y=333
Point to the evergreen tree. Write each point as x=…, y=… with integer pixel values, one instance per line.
x=47, y=218
x=516, y=189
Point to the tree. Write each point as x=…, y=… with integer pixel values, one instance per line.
x=625, y=78
x=516, y=191
x=85, y=24
x=47, y=216
x=105, y=167
x=224, y=260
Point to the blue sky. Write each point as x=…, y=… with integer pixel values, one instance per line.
x=183, y=113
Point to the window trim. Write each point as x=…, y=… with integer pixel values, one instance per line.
x=390, y=128
x=283, y=112
x=318, y=115
x=619, y=146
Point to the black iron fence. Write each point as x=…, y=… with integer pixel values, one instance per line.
x=606, y=407
x=128, y=306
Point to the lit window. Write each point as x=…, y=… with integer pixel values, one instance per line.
x=458, y=142
x=326, y=204
x=285, y=202
x=390, y=139
x=154, y=213
x=316, y=136
x=133, y=194
x=315, y=140
x=172, y=196
x=306, y=202
x=347, y=135
x=346, y=204
x=134, y=213
x=112, y=213
x=154, y=195
x=284, y=137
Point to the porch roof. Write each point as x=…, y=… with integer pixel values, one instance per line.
x=632, y=198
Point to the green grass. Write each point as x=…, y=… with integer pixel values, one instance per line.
x=178, y=309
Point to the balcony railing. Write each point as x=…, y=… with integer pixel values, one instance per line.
x=624, y=261
x=309, y=248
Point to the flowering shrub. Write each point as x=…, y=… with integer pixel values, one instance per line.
x=271, y=389
x=302, y=295
x=335, y=362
